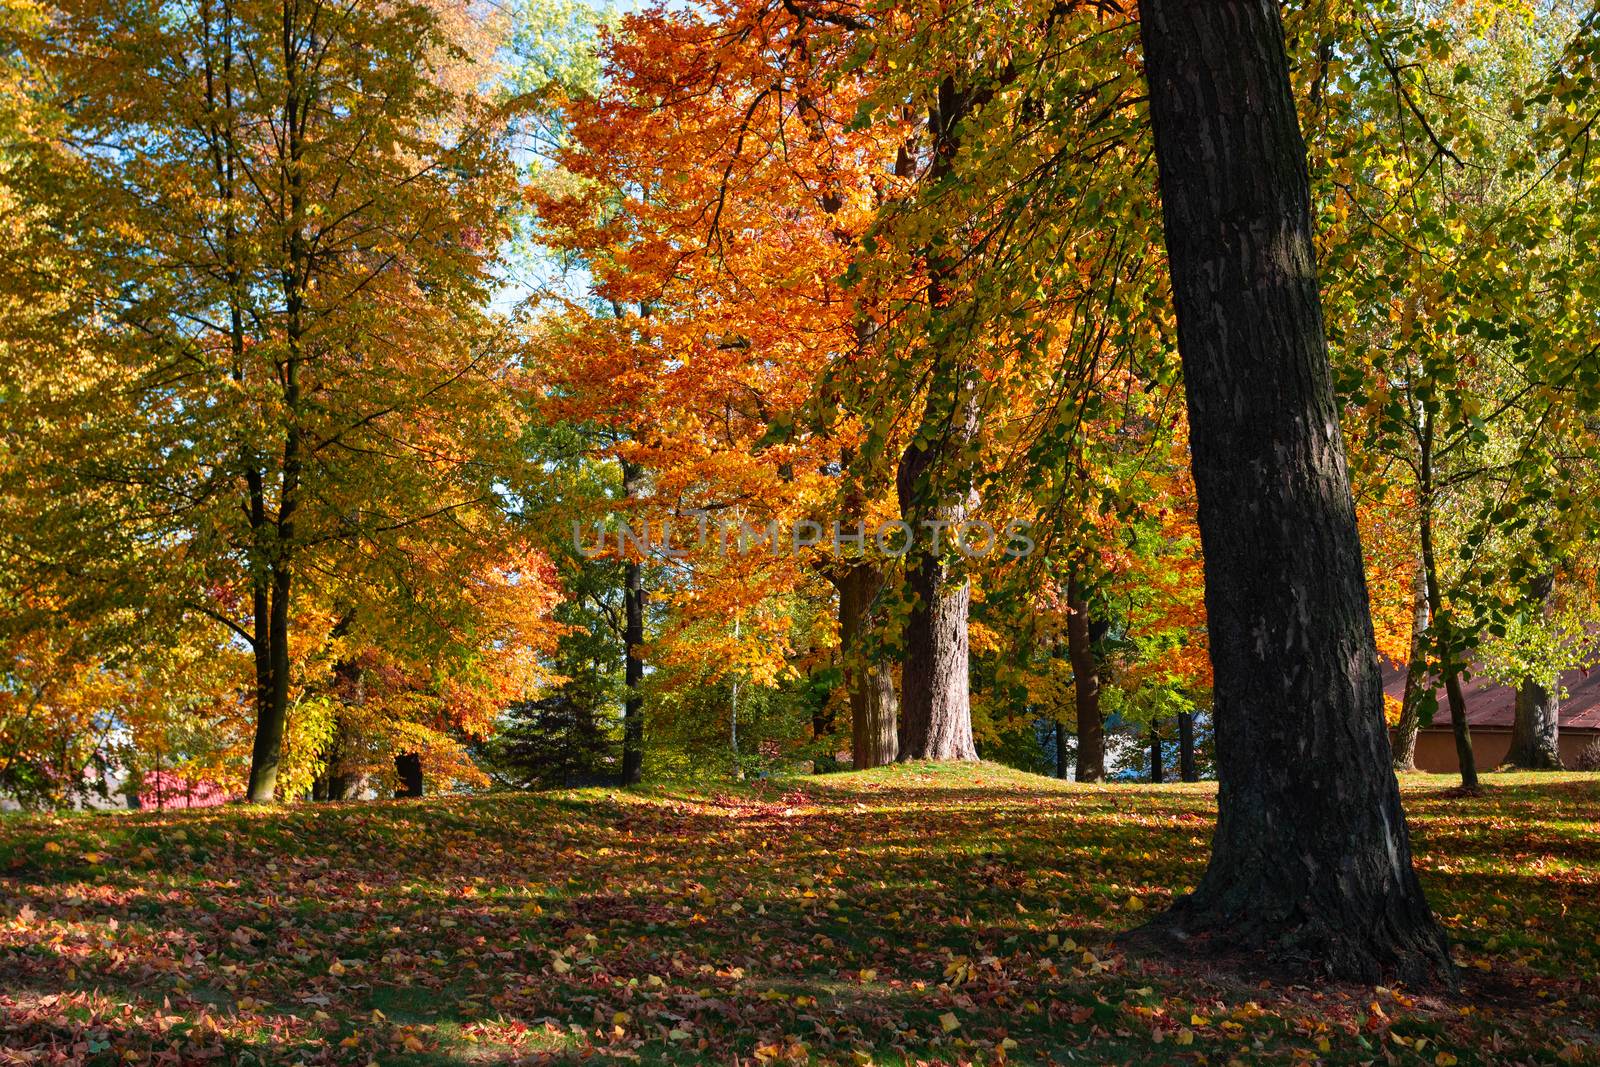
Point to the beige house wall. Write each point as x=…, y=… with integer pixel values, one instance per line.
x=1436, y=748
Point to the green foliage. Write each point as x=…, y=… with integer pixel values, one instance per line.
x=565, y=739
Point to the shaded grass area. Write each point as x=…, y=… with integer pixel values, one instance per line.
x=914, y=913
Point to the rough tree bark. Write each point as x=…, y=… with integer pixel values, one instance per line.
x=1081, y=636
x=936, y=714
x=874, y=710
x=1405, y=731
x=1535, y=729
x=1311, y=859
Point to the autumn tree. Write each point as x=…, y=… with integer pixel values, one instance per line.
x=713, y=198
x=1464, y=396
x=294, y=211
x=1311, y=858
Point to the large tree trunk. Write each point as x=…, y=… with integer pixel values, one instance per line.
x=1535, y=729
x=874, y=710
x=1091, y=764
x=936, y=714
x=936, y=717
x=1535, y=734
x=1405, y=731
x=1311, y=859
x=1186, y=766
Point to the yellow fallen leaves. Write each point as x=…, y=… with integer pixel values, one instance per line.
x=949, y=1021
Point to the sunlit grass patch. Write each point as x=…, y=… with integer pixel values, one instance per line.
x=910, y=913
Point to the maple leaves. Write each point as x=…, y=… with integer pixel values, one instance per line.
x=847, y=920
x=291, y=413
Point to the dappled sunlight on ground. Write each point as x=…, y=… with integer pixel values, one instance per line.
x=961, y=914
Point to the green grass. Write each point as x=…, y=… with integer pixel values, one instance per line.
x=914, y=913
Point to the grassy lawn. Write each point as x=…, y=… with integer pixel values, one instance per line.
x=910, y=914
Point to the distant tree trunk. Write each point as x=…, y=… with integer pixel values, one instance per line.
x=1186, y=767
x=1444, y=632
x=936, y=717
x=936, y=713
x=1405, y=731
x=333, y=783
x=1535, y=729
x=874, y=711
x=1535, y=734
x=1086, y=687
x=633, y=596
x=1311, y=860
x=408, y=772
x=1157, y=771
x=1061, y=750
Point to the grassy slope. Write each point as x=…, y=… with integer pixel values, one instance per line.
x=943, y=913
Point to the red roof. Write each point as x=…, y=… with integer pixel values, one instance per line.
x=1494, y=705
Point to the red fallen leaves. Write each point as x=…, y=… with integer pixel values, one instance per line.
x=844, y=919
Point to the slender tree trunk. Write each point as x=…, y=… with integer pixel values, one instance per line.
x=1405, y=731
x=1444, y=632
x=1311, y=859
x=633, y=674
x=1091, y=765
x=1186, y=766
x=633, y=597
x=934, y=493
x=874, y=711
x=1535, y=729
x=1157, y=770
x=294, y=278
x=1061, y=750
x=271, y=698
x=272, y=713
